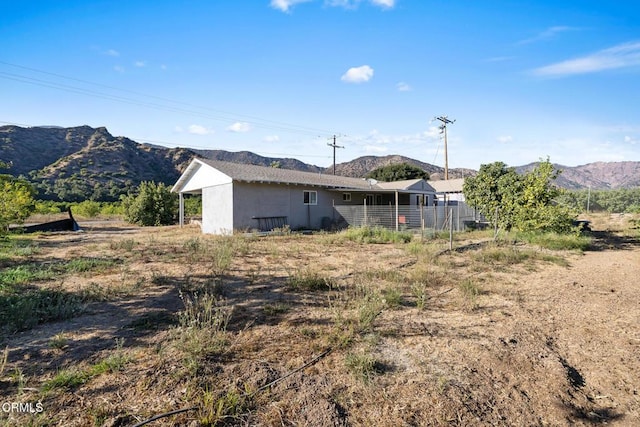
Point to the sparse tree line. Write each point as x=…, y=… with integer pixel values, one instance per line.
x=526, y=202
x=618, y=200
x=148, y=204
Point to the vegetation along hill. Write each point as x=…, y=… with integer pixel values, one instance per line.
x=79, y=163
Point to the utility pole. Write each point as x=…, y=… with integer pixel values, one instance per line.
x=334, y=145
x=443, y=129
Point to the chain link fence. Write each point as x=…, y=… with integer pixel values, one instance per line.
x=408, y=217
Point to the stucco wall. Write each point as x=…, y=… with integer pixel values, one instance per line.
x=252, y=200
x=217, y=209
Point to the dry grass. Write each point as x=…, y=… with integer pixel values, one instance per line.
x=418, y=334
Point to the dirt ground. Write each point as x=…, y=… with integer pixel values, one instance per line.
x=404, y=334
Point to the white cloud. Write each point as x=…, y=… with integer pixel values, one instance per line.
x=361, y=74
x=163, y=67
x=140, y=64
x=199, y=130
x=119, y=68
x=505, y=139
x=271, y=138
x=375, y=149
x=285, y=5
x=239, y=127
x=112, y=52
x=630, y=140
x=353, y=4
x=433, y=132
x=388, y=4
x=547, y=34
x=624, y=55
x=403, y=87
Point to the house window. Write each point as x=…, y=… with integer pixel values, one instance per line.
x=378, y=199
x=346, y=197
x=369, y=199
x=310, y=197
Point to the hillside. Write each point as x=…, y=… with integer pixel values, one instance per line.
x=82, y=162
x=598, y=176
x=255, y=159
x=73, y=164
x=362, y=165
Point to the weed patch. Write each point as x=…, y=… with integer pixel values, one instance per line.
x=25, y=309
x=363, y=366
x=376, y=235
x=470, y=292
x=308, y=280
x=555, y=241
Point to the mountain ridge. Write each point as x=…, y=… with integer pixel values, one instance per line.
x=76, y=163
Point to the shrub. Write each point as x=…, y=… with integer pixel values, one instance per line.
x=154, y=204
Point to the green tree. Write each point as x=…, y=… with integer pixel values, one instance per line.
x=526, y=202
x=398, y=172
x=16, y=199
x=492, y=191
x=154, y=204
x=537, y=208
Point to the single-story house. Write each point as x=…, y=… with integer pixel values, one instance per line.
x=240, y=196
x=449, y=190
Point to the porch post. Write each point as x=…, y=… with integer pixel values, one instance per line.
x=181, y=209
x=397, y=228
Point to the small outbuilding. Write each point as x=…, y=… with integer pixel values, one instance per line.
x=249, y=197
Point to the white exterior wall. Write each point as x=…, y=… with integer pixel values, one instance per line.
x=204, y=176
x=217, y=209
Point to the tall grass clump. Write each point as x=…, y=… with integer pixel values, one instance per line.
x=201, y=330
x=204, y=312
x=555, y=241
x=376, y=235
x=308, y=280
x=470, y=292
x=362, y=365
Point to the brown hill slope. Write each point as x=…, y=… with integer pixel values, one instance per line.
x=78, y=163
x=82, y=162
x=362, y=165
x=599, y=175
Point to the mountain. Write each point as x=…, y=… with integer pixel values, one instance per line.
x=598, y=175
x=255, y=159
x=82, y=162
x=363, y=165
x=77, y=163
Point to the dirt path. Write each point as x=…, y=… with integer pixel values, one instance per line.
x=542, y=344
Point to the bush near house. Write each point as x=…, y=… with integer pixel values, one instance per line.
x=154, y=204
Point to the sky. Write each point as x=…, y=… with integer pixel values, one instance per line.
x=520, y=81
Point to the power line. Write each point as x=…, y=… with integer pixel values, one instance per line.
x=166, y=144
x=221, y=115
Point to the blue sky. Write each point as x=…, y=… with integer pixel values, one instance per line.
x=523, y=80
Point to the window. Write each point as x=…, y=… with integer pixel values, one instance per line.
x=378, y=199
x=310, y=197
x=346, y=197
x=369, y=199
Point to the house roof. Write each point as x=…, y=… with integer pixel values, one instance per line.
x=399, y=185
x=263, y=174
x=448, y=186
